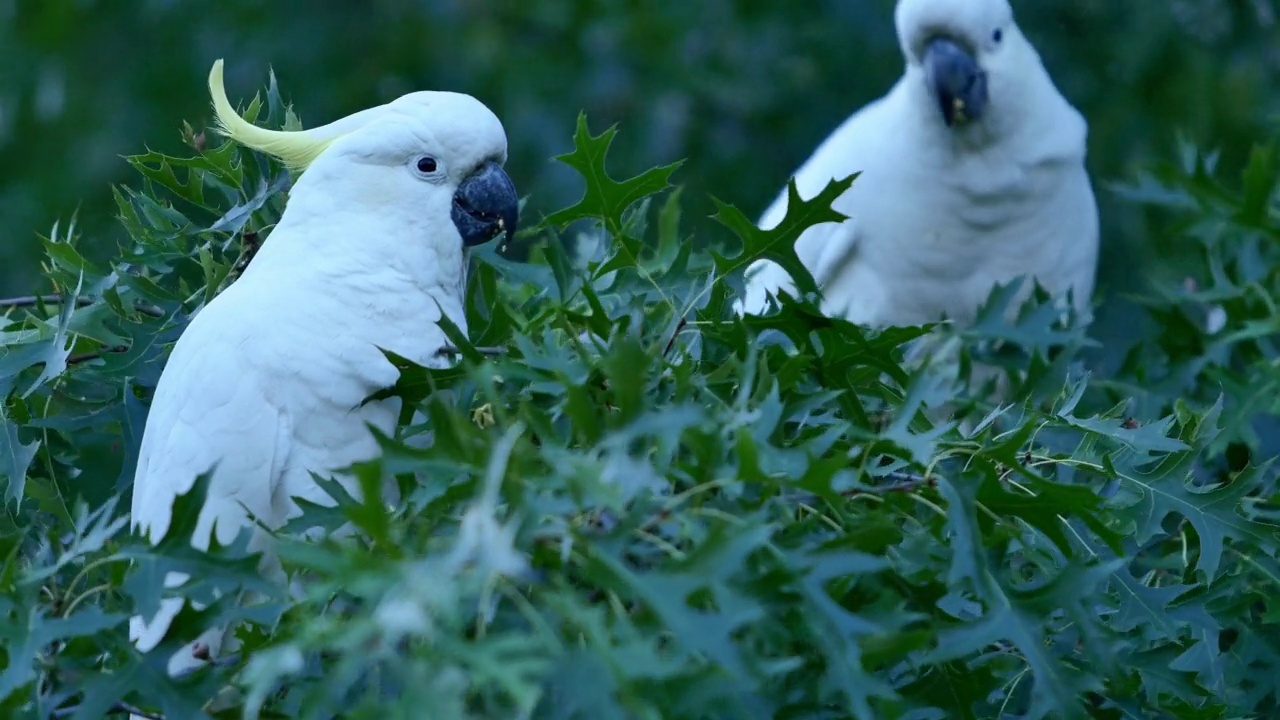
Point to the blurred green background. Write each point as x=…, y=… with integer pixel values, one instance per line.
x=744, y=89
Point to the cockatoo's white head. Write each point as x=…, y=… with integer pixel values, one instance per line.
x=970, y=54
x=426, y=157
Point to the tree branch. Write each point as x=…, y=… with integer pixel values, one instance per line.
x=118, y=707
x=33, y=300
x=671, y=343
x=486, y=351
x=84, y=357
x=898, y=482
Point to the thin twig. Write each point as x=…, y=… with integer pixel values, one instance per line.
x=118, y=707
x=679, y=328
x=33, y=300
x=899, y=482
x=904, y=482
x=85, y=357
x=249, y=245
x=887, y=489
x=487, y=351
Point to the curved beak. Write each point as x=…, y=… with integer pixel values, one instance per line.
x=956, y=80
x=485, y=205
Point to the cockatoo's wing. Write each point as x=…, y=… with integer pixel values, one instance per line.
x=209, y=408
x=211, y=411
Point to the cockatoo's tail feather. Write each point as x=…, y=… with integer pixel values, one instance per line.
x=297, y=149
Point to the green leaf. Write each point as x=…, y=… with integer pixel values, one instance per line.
x=51, y=354
x=27, y=632
x=714, y=516
x=1260, y=179
x=605, y=199
x=778, y=243
x=18, y=457
x=1215, y=513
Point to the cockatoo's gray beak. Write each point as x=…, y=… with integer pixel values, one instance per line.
x=956, y=80
x=485, y=205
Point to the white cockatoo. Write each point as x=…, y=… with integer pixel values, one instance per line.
x=972, y=174
x=266, y=384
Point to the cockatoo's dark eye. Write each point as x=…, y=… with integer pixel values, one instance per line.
x=426, y=164
x=997, y=36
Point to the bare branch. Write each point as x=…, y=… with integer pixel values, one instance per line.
x=486, y=351
x=671, y=343
x=85, y=357
x=115, y=708
x=33, y=300
x=898, y=482
x=905, y=481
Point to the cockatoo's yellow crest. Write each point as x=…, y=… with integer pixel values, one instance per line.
x=296, y=150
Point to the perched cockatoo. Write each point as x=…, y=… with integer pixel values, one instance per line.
x=265, y=385
x=972, y=173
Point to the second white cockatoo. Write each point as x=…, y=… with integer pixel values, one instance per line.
x=267, y=384
x=971, y=174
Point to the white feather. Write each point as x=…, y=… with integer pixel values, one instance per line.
x=267, y=381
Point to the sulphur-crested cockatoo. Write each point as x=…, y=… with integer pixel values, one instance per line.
x=266, y=384
x=972, y=173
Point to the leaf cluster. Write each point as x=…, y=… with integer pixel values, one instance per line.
x=648, y=507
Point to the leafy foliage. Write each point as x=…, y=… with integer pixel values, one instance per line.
x=648, y=507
